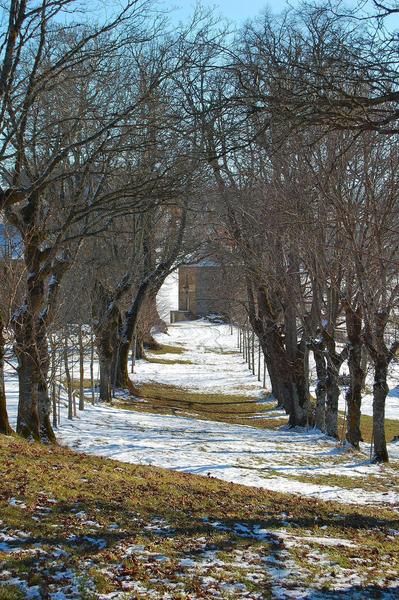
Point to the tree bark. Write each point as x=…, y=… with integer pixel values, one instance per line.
x=122, y=379
x=81, y=370
x=321, y=390
x=93, y=393
x=380, y=392
x=106, y=325
x=53, y=373
x=334, y=363
x=381, y=356
x=332, y=393
x=354, y=393
x=288, y=375
x=105, y=361
x=5, y=427
x=354, y=396
x=28, y=415
x=287, y=380
x=28, y=424
x=140, y=347
x=30, y=323
x=68, y=378
x=153, y=277
x=46, y=432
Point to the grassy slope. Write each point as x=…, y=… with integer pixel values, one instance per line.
x=240, y=409
x=227, y=408
x=170, y=516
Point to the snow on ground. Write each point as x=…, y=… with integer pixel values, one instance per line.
x=392, y=402
x=168, y=296
x=262, y=458
x=281, y=459
x=216, y=366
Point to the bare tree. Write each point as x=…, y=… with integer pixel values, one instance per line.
x=63, y=138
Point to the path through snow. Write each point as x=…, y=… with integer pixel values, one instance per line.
x=271, y=459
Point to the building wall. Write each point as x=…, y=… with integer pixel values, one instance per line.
x=187, y=288
x=202, y=289
x=210, y=291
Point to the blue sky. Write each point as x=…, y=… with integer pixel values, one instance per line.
x=234, y=10
x=240, y=10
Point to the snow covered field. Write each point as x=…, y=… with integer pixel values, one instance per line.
x=216, y=367
x=275, y=459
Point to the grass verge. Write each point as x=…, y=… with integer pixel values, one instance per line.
x=366, y=427
x=83, y=525
x=167, y=349
x=166, y=361
x=230, y=408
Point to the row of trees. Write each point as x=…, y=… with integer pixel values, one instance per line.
x=97, y=169
x=125, y=142
x=305, y=163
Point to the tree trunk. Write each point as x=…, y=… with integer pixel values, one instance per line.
x=380, y=392
x=28, y=415
x=107, y=350
x=31, y=348
x=81, y=371
x=274, y=382
x=122, y=379
x=253, y=352
x=105, y=361
x=153, y=277
x=47, y=434
x=151, y=343
x=354, y=393
x=5, y=427
x=128, y=331
x=53, y=373
x=93, y=393
x=289, y=392
x=68, y=379
x=334, y=363
x=364, y=365
x=288, y=375
x=106, y=326
x=321, y=370
x=25, y=347
x=332, y=391
x=140, y=349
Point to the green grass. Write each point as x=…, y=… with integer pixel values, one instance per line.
x=166, y=349
x=11, y=592
x=76, y=383
x=366, y=427
x=170, y=392
x=167, y=361
x=164, y=512
x=230, y=408
x=369, y=483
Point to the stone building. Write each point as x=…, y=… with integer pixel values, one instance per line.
x=202, y=290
